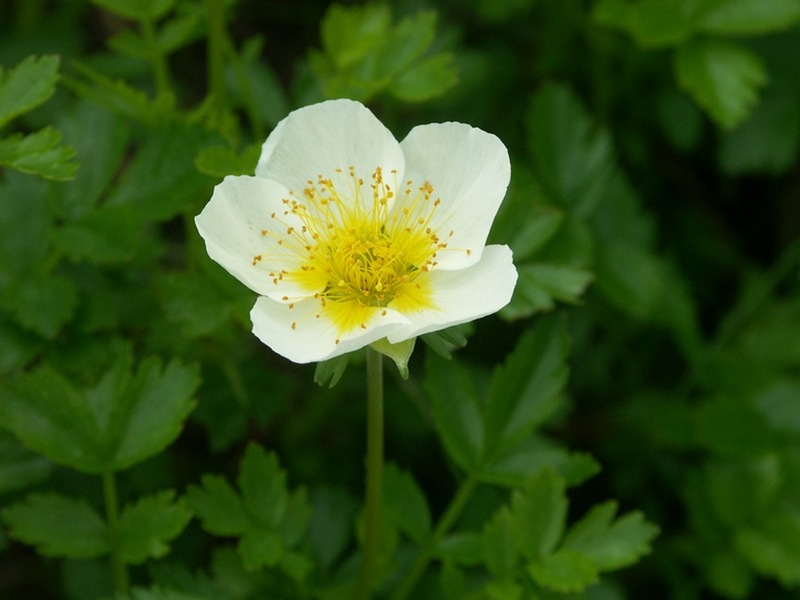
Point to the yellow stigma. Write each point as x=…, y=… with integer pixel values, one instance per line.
x=362, y=249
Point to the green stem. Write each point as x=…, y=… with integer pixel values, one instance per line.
x=157, y=58
x=446, y=523
x=216, y=51
x=118, y=568
x=374, y=485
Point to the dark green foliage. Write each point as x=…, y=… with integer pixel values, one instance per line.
x=627, y=427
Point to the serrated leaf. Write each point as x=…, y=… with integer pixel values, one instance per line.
x=58, y=526
x=652, y=23
x=536, y=231
x=748, y=17
x=121, y=421
x=221, y=161
x=42, y=304
x=263, y=486
x=456, y=411
x=100, y=139
x=146, y=527
x=120, y=97
x=40, y=153
x=348, y=33
x=724, y=78
x=564, y=571
x=162, y=179
x=217, y=505
x=405, y=505
x=572, y=156
x=137, y=9
x=611, y=544
x=498, y=554
x=428, y=79
x=539, y=513
x=27, y=85
x=531, y=456
x=269, y=520
x=106, y=234
x=539, y=286
x=526, y=390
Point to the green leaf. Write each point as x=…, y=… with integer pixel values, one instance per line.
x=58, y=526
x=772, y=548
x=330, y=528
x=400, y=352
x=537, y=230
x=218, y=506
x=263, y=486
x=120, y=97
x=100, y=139
x=20, y=468
x=349, y=33
x=630, y=277
x=564, y=571
x=748, y=17
x=526, y=390
x=533, y=455
x=498, y=554
x=123, y=420
x=106, y=234
x=456, y=410
x=610, y=544
x=146, y=527
x=446, y=341
x=741, y=492
x=428, y=79
x=42, y=304
x=27, y=85
x=724, y=78
x=161, y=181
x=652, y=23
x=405, y=505
x=221, y=161
x=40, y=153
x=539, y=286
x=269, y=520
x=160, y=593
x=539, y=513
x=329, y=372
x=572, y=156
x=137, y=9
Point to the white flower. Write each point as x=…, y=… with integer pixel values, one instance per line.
x=349, y=237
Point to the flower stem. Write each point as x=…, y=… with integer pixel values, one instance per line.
x=118, y=568
x=374, y=479
x=446, y=522
x=157, y=58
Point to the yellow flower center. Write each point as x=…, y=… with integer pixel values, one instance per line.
x=362, y=249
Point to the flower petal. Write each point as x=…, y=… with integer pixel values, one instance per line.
x=318, y=139
x=313, y=339
x=464, y=295
x=233, y=225
x=469, y=170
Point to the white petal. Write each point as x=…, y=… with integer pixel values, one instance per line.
x=317, y=139
x=469, y=170
x=232, y=223
x=465, y=295
x=314, y=339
